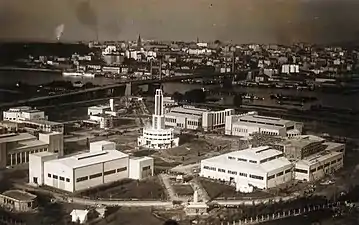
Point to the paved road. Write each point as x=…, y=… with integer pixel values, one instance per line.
x=169, y=188
x=164, y=204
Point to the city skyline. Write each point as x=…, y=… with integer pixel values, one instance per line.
x=241, y=21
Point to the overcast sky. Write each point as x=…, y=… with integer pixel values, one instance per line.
x=241, y=21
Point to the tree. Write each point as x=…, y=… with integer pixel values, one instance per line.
x=178, y=97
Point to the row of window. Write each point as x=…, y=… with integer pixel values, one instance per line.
x=159, y=139
x=258, y=122
x=279, y=174
x=56, y=177
x=241, y=130
x=271, y=158
x=233, y=172
x=326, y=165
x=243, y=160
x=170, y=120
x=161, y=135
x=21, y=157
x=96, y=175
x=269, y=133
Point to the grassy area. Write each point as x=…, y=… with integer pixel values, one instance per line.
x=183, y=189
x=142, y=153
x=149, y=189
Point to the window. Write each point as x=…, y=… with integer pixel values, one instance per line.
x=301, y=171
x=67, y=179
x=280, y=174
x=109, y=172
x=326, y=165
x=313, y=170
x=232, y=172
x=93, y=176
x=340, y=159
x=252, y=161
x=231, y=157
x=80, y=179
x=49, y=175
x=146, y=168
x=256, y=177
x=55, y=177
x=270, y=177
x=243, y=160
x=62, y=178
x=288, y=171
x=121, y=169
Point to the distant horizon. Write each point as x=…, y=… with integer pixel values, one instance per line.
x=237, y=21
x=29, y=41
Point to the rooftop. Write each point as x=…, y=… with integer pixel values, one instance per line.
x=272, y=121
x=144, y=158
x=302, y=141
x=256, y=154
x=177, y=114
x=29, y=144
x=90, y=158
x=319, y=157
x=189, y=110
x=43, y=122
x=247, y=167
x=99, y=107
x=44, y=154
x=19, y=195
x=12, y=137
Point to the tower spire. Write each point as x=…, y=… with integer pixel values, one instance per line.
x=139, y=41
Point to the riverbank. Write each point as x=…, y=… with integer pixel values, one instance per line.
x=25, y=69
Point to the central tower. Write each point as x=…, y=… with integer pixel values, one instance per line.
x=158, y=118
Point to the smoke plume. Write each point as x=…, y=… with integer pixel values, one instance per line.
x=59, y=31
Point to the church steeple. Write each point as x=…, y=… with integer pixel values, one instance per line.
x=139, y=41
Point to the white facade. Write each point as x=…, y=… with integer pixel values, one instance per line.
x=55, y=141
x=215, y=119
x=104, y=120
x=290, y=68
x=36, y=170
x=260, y=167
x=99, y=109
x=192, y=118
x=141, y=168
x=318, y=165
x=82, y=171
x=157, y=136
x=23, y=113
x=249, y=123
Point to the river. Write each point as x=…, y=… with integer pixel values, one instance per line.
x=327, y=99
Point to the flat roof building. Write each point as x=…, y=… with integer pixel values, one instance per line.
x=16, y=148
x=32, y=119
x=301, y=146
x=261, y=167
x=102, y=164
x=249, y=123
x=192, y=118
x=318, y=165
x=23, y=113
x=17, y=200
